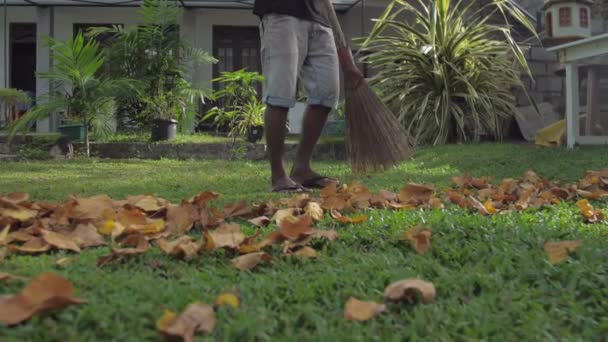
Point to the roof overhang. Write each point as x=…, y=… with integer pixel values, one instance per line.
x=340, y=5
x=580, y=49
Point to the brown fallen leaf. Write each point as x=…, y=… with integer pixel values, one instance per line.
x=295, y=229
x=8, y=276
x=16, y=197
x=360, y=311
x=86, y=236
x=148, y=203
x=59, y=241
x=407, y=290
x=419, y=238
x=90, y=208
x=261, y=221
x=236, y=210
x=331, y=235
x=196, y=317
x=283, y=214
x=313, y=209
x=181, y=218
x=415, y=194
x=559, y=251
x=250, y=261
x=183, y=246
x=344, y=219
x=4, y=235
x=21, y=214
x=141, y=246
x=476, y=204
x=34, y=245
x=46, y=292
x=305, y=252
x=227, y=236
x=591, y=215
x=202, y=199
x=230, y=299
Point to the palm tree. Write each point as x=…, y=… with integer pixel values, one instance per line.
x=77, y=91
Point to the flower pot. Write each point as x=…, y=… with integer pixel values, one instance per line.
x=255, y=133
x=73, y=132
x=163, y=129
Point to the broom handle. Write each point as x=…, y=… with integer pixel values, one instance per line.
x=352, y=75
x=335, y=24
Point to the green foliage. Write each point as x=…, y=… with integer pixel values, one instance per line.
x=240, y=106
x=76, y=90
x=448, y=73
x=154, y=53
x=11, y=97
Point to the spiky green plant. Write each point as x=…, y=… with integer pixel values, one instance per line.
x=449, y=70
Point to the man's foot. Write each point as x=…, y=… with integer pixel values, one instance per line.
x=313, y=180
x=287, y=185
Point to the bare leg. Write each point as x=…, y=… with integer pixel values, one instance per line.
x=274, y=127
x=312, y=126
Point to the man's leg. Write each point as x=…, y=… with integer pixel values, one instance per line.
x=312, y=126
x=321, y=80
x=275, y=119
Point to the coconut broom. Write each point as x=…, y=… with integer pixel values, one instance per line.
x=374, y=138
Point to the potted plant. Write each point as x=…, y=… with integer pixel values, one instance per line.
x=238, y=105
x=153, y=52
x=78, y=91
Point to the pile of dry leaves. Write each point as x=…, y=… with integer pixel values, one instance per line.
x=130, y=226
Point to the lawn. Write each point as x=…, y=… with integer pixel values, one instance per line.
x=493, y=279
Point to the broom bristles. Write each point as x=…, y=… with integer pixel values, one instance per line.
x=374, y=138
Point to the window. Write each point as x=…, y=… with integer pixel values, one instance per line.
x=549, y=24
x=584, y=17
x=565, y=16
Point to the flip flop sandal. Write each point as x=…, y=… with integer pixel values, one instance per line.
x=319, y=182
x=296, y=189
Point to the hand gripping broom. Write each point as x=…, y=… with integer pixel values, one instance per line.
x=374, y=138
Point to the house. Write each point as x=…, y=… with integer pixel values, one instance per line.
x=227, y=28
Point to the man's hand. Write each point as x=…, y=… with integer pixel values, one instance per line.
x=352, y=75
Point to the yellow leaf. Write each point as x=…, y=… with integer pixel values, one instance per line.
x=21, y=214
x=166, y=320
x=107, y=227
x=227, y=299
x=4, y=235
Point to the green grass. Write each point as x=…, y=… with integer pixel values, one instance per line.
x=492, y=277
x=204, y=138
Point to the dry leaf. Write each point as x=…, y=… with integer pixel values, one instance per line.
x=64, y=261
x=8, y=276
x=141, y=246
x=331, y=235
x=181, y=218
x=344, y=219
x=196, y=317
x=87, y=236
x=201, y=200
x=295, y=229
x=415, y=194
x=558, y=251
x=149, y=204
x=227, y=236
x=236, y=210
x=181, y=247
x=589, y=213
x=166, y=320
x=46, y=292
x=306, y=252
x=283, y=214
x=59, y=240
x=261, y=221
x=91, y=208
x=250, y=261
x=407, y=290
x=357, y=310
x=227, y=299
x=314, y=210
x=419, y=238
x=21, y=214
x=16, y=197
x=34, y=245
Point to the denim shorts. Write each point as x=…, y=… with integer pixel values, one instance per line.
x=295, y=49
